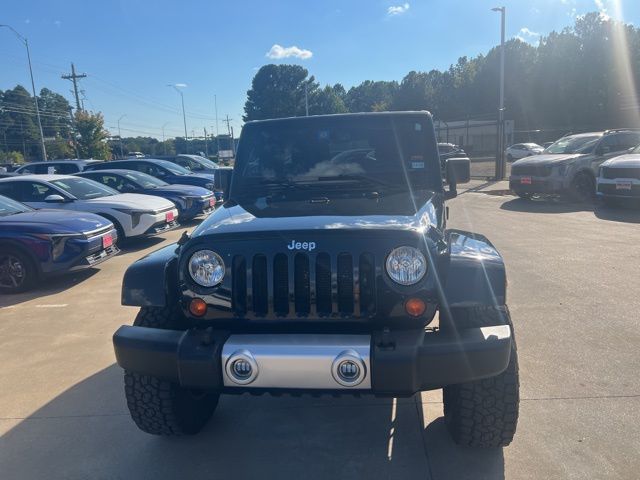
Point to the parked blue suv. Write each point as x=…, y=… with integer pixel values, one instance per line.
x=191, y=201
x=38, y=243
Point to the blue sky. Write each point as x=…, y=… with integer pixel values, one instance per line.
x=131, y=49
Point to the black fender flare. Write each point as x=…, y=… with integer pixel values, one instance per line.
x=152, y=280
x=475, y=273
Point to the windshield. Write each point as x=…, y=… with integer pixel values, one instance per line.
x=11, y=207
x=144, y=180
x=172, y=167
x=373, y=150
x=205, y=162
x=83, y=188
x=573, y=144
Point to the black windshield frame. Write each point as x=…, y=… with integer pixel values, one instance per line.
x=400, y=150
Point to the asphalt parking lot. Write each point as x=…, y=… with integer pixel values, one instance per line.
x=573, y=280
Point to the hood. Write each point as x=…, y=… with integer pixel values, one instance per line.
x=134, y=201
x=548, y=159
x=631, y=160
x=199, y=180
x=54, y=221
x=392, y=212
x=177, y=189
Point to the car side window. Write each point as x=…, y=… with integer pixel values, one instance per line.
x=32, y=191
x=67, y=168
x=113, y=181
x=27, y=169
x=627, y=140
x=8, y=190
x=608, y=144
x=184, y=162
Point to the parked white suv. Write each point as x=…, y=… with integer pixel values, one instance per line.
x=619, y=177
x=522, y=150
x=132, y=214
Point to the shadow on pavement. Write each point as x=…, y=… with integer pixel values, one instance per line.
x=86, y=432
x=545, y=205
x=624, y=213
x=49, y=286
x=135, y=244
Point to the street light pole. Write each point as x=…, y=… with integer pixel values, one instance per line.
x=500, y=165
x=120, y=135
x=33, y=88
x=164, y=144
x=184, y=115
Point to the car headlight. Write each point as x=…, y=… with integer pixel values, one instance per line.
x=406, y=265
x=206, y=268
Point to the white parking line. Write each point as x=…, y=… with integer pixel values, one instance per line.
x=58, y=305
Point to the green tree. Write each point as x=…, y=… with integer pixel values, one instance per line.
x=278, y=91
x=91, y=136
x=371, y=96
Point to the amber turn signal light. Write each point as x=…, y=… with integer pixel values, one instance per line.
x=198, y=307
x=415, y=307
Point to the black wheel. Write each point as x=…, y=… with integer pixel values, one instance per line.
x=18, y=272
x=484, y=413
x=158, y=406
x=509, y=158
x=583, y=187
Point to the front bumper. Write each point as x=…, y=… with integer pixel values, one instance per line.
x=542, y=185
x=395, y=363
x=612, y=188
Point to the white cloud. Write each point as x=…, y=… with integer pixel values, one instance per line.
x=397, y=9
x=527, y=35
x=602, y=9
x=278, y=52
x=57, y=23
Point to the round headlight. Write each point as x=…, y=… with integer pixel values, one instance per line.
x=206, y=268
x=406, y=265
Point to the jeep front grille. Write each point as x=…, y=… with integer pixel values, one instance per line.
x=303, y=285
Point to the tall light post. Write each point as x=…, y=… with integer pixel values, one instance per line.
x=500, y=165
x=120, y=135
x=184, y=116
x=164, y=144
x=33, y=88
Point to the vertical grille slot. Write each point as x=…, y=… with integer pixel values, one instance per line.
x=239, y=285
x=302, y=289
x=323, y=284
x=367, y=276
x=280, y=284
x=259, y=285
x=345, y=283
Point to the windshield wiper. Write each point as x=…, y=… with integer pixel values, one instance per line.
x=358, y=178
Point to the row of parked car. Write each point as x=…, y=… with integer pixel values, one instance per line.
x=61, y=216
x=582, y=166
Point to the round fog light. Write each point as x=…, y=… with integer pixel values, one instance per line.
x=198, y=307
x=348, y=369
x=241, y=367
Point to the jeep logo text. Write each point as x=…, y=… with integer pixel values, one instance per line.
x=301, y=245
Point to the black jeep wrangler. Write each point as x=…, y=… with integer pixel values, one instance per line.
x=327, y=270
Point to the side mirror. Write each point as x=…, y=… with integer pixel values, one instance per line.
x=54, y=199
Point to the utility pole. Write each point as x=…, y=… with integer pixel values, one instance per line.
x=74, y=78
x=206, y=144
x=33, y=88
x=500, y=165
x=120, y=135
x=228, y=122
x=75, y=145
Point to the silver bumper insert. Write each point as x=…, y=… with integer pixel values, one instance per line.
x=303, y=361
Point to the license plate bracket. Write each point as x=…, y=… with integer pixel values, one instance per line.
x=169, y=217
x=525, y=180
x=107, y=241
x=623, y=184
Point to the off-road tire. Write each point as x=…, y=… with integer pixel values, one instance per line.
x=160, y=407
x=484, y=413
